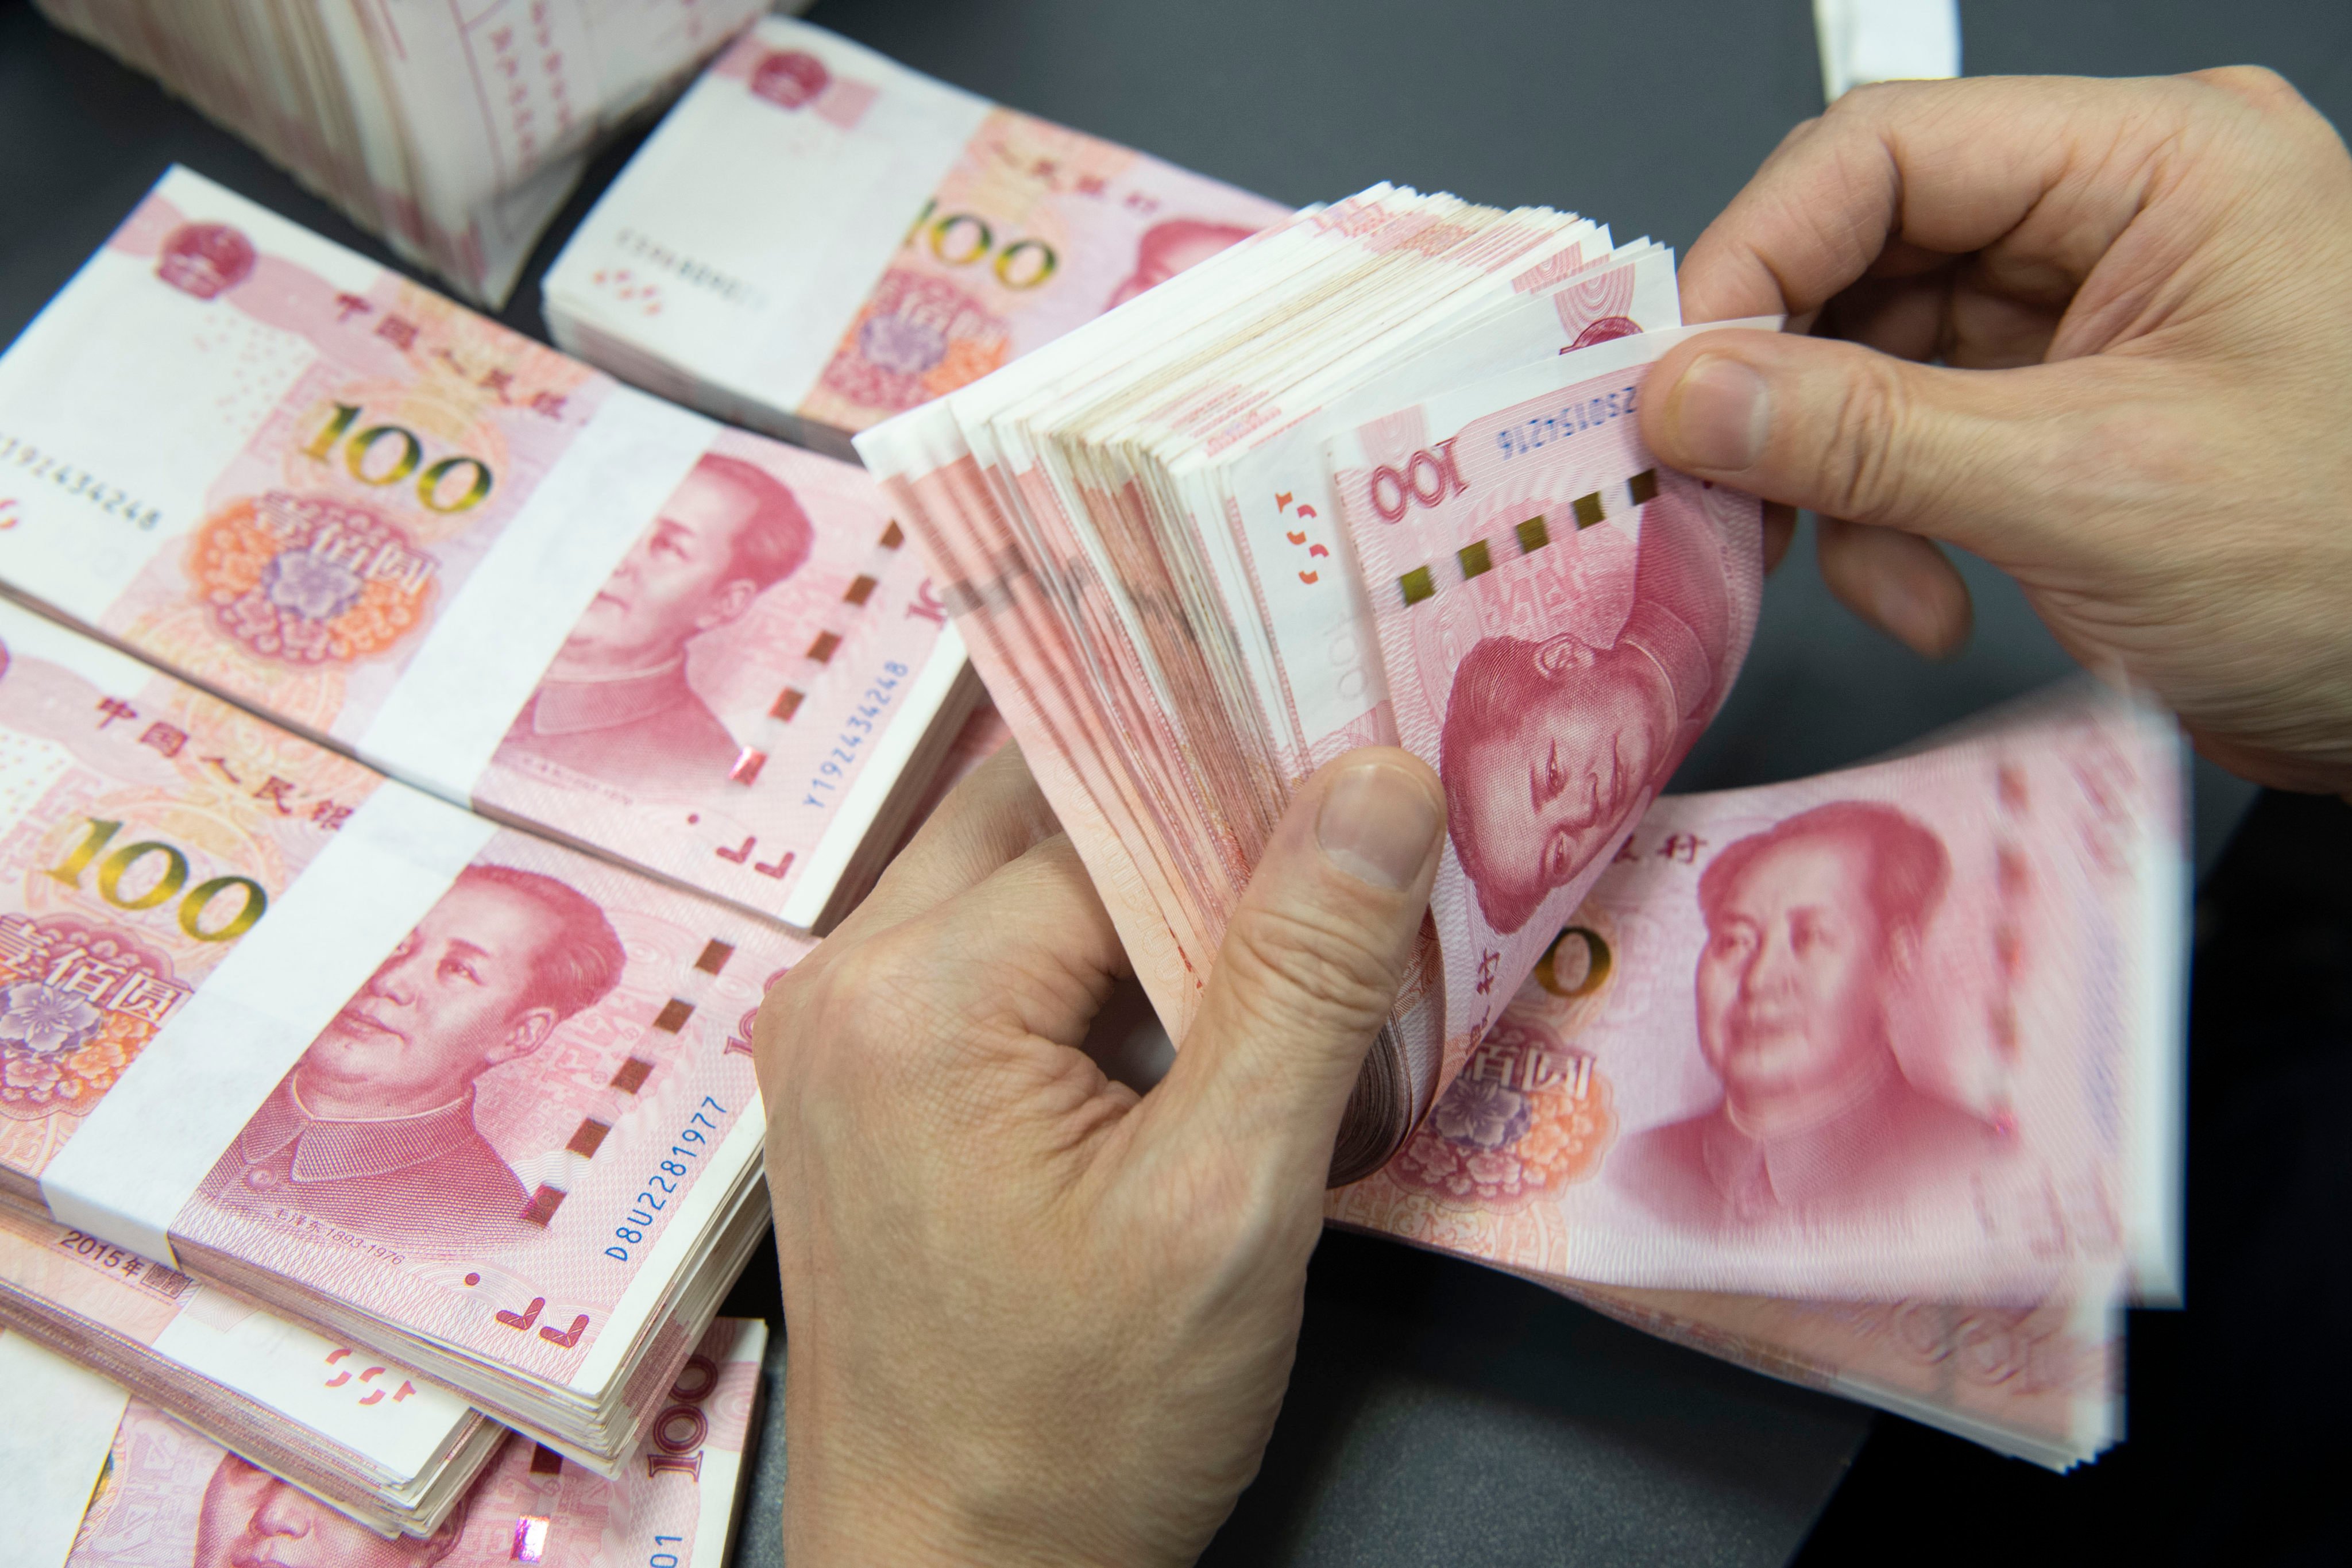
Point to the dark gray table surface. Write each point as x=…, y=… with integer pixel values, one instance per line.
x=1439, y=1413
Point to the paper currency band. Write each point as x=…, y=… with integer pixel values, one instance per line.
x=133, y=1165
x=1477, y=558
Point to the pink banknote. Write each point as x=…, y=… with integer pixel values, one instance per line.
x=1559, y=616
x=1905, y=1031
x=144, y=828
x=487, y=1144
x=302, y=481
x=818, y=238
x=384, y=1443
x=169, y=1499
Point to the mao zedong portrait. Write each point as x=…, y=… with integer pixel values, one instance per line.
x=1810, y=926
x=1549, y=747
x=615, y=704
x=250, y=1519
x=374, y=1129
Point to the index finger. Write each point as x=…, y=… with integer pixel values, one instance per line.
x=2041, y=173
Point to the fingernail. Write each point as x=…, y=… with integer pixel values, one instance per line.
x=1377, y=825
x=1722, y=411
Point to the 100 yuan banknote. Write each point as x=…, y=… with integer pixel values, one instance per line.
x=1910, y=1030
x=163, y=1495
x=388, y=1446
x=291, y=476
x=487, y=1090
x=817, y=238
x=1559, y=616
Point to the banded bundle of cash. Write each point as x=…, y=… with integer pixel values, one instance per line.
x=91, y=1477
x=475, y=1102
x=377, y=1440
x=454, y=132
x=291, y=476
x=1870, y=1079
x=818, y=238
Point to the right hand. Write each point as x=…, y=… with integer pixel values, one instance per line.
x=2138, y=293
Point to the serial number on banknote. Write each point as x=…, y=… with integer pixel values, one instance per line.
x=1573, y=419
x=669, y=1178
x=18, y=452
x=857, y=729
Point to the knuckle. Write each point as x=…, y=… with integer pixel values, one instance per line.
x=2256, y=85
x=1859, y=476
x=1309, y=966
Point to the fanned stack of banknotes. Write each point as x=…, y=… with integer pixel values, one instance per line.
x=418, y=750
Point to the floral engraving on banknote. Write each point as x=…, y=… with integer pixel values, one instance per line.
x=307, y=580
x=78, y=1002
x=1526, y=1116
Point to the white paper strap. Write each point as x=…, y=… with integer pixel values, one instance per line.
x=485, y=657
x=141, y=1155
x=56, y=1427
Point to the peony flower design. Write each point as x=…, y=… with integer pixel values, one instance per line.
x=902, y=344
x=310, y=585
x=46, y=1019
x=1482, y=1113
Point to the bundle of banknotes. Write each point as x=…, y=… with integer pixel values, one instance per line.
x=1870, y=1079
x=818, y=238
x=91, y=1477
x=300, y=480
x=455, y=132
x=466, y=1097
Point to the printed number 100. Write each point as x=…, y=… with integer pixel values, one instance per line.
x=402, y=454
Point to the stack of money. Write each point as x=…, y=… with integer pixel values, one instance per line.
x=93, y=1478
x=818, y=238
x=1152, y=568
x=475, y=1102
x=377, y=1440
x=454, y=132
x=295, y=477
x=1871, y=1079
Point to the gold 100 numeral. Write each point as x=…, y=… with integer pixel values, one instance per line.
x=165, y=888
x=388, y=454
x=961, y=239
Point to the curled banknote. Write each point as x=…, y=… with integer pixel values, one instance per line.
x=291, y=476
x=818, y=238
x=1907, y=1032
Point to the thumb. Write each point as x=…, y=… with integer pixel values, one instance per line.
x=1311, y=962
x=1968, y=455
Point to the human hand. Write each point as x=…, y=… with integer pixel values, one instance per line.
x=2136, y=290
x=1030, y=1317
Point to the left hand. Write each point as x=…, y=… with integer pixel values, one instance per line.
x=1032, y=1317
